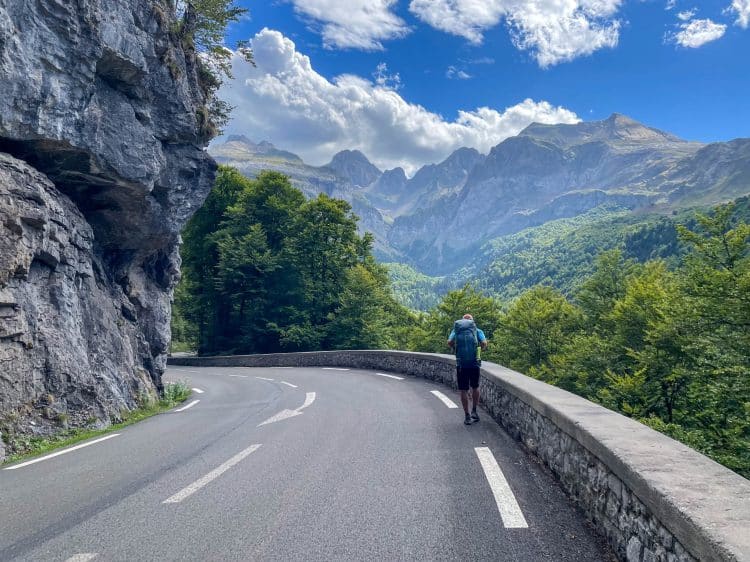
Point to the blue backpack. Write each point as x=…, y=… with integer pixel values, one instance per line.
x=466, y=343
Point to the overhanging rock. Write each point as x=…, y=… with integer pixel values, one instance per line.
x=101, y=125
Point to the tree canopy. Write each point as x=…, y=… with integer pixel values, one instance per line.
x=266, y=270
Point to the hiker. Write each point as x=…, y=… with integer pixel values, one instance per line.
x=465, y=339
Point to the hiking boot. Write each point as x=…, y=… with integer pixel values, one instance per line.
x=467, y=420
x=474, y=416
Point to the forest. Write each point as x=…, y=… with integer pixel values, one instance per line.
x=665, y=341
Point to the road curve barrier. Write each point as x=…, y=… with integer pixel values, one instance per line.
x=653, y=498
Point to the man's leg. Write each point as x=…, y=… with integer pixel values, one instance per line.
x=462, y=378
x=465, y=401
x=474, y=395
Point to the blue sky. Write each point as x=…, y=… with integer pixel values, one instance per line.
x=677, y=65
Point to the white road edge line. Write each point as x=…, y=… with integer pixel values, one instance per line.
x=63, y=452
x=213, y=475
x=444, y=399
x=264, y=378
x=510, y=511
x=390, y=376
x=83, y=557
x=289, y=384
x=334, y=369
x=197, y=390
x=193, y=403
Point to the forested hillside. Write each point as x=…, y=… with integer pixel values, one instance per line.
x=669, y=347
x=560, y=254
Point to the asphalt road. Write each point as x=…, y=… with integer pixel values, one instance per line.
x=349, y=466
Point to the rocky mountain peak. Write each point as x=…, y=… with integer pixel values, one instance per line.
x=239, y=146
x=355, y=167
x=241, y=139
x=617, y=130
x=392, y=182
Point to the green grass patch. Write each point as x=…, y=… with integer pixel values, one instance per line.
x=33, y=446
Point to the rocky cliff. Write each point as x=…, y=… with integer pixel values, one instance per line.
x=102, y=128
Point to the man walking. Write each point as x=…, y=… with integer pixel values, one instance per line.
x=465, y=339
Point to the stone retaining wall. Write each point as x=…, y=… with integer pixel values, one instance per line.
x=653, y=498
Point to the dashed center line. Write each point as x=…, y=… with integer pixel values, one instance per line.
x=197, y=391
x=239, y=376
x=444, y=399
x=334, y=369
x=63, y=452
x=288, y=384
x=390, y=376
x=83, y=557
x=213, y=475
x=510, y=511
x=264, y=378
x=193, y=403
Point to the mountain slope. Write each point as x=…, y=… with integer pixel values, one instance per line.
x=550, y=172
x=438, y=220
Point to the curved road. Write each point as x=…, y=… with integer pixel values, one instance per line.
x=295, y=464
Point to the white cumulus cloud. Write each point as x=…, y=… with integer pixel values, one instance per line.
x=696, y=33
x=455, y=73
x=284, y=100
x=355, y=24
x=554, y=31
x=686, y=15
x=742, y=9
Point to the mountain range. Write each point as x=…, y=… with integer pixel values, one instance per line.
x=445, y=216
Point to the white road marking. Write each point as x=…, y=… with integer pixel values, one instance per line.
x=283, y=367
x=286, y=414
x=185, y=370
x=264, y=378
x=239, y=376
x=198, y=390
x=213, y=475
x=63, y=452
x=193, y=403
x=282, y=415
x=390, y=376
x=507, y=505
x=309, y=399
x=444, y=399
x=83, y=557
x=334, y=369
x=288, y=384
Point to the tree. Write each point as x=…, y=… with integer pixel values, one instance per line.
x=535, y=327
x=267, y=271
x=201, y=27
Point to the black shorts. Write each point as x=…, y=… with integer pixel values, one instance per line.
x=467, y=376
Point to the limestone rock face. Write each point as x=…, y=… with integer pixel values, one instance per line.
x=103, y=127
